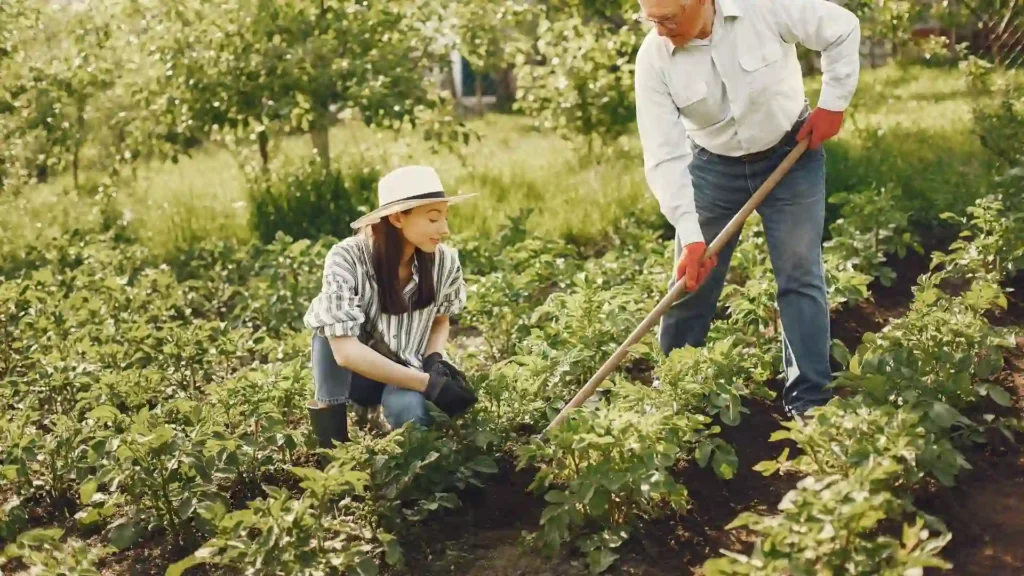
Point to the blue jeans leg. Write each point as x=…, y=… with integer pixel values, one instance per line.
x=793, y=215
x=331, y=382
x=719, y=191
x=336, y=385
x=402, y=405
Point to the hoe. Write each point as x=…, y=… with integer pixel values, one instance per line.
x=677, y=292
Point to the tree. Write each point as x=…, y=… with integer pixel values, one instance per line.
x=887, y=21
x=488, y=36
x=578, y=79
x=236, y=68
x=56, y=65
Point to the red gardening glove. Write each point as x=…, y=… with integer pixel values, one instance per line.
x=693, y=266
x=820, y=126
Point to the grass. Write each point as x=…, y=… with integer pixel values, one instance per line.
x=908, y=126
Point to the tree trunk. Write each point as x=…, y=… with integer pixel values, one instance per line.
x=319, y=134
x=448, y=83
x=74, y=166
x=79, y=138
x=264, y=143
x=480, y=92
x=506, y=91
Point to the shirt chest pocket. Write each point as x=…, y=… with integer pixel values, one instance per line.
x=760, y=60
x=691, y=98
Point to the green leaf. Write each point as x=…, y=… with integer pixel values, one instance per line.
x=944, y=415
x=88, y=490
x=178, y=568
x=599, y=501
x=731, y=416
x=392, y=551
x=186, y=507
x=124, y=535
x=367, y=567
x=484, y=464
x=555, y=496
x=725, y=463
x=600, y=559
x=703, y=453
x=103, y=413
x=39, y=536
x=87, y=516
x=841, y=352
x=999, y=395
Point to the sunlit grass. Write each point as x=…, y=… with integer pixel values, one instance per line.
x=908, y=126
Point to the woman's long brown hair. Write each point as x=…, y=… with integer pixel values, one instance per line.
x=387, y=257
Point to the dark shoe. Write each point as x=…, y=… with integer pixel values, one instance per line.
x=330, y=424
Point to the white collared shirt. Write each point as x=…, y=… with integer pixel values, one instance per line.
x=737, y=92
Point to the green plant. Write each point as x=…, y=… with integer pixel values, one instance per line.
x=579, y=82
x=308, y=202
x=499, y=304
x=415, y=471
x=160, y=472
x=991, y=243
x=831, y=525
x=716, y=378
x=940, y=357
x=256, y=435
x=872, y=225
x=42, y=551
x=605, y=469
x=848, y=434
x=323, y=531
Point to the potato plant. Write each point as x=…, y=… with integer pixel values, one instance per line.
x=914, y=383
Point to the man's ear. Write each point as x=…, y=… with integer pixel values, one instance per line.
x=397, y=219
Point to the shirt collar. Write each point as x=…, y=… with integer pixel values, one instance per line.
x=723, y=9
x=729, y=8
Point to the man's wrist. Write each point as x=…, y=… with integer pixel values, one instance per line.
x=688, y=229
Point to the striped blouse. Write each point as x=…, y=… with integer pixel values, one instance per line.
x=349, y=305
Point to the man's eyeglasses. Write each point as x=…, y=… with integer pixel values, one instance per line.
x=669, y=23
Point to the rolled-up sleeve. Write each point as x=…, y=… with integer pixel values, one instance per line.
x=666, y=148
x=452, y=294
x=832, y=30
x=338, y=310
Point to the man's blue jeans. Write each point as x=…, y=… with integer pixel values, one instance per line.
x=793, y=216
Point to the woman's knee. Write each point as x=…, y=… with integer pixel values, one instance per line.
x=402, y=405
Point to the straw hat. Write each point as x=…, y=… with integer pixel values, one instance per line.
x=405, y=188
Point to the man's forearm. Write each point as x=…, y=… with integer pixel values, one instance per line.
x=350, y=353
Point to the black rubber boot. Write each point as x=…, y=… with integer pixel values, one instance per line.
x=329, y=423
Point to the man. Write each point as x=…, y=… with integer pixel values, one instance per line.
x=720, y=103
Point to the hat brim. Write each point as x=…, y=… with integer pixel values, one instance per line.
x=376, y=215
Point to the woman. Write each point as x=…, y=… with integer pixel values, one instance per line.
x=380, y=322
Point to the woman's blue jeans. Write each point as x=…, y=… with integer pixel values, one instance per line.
x=793, y=215
x=334, y=385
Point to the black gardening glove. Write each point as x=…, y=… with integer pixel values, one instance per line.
x=435, y=359
x=448, y=393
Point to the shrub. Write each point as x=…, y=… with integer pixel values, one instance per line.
x=309, y=201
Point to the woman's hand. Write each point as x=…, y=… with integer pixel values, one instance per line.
x=435, y=359
x=448, y=393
